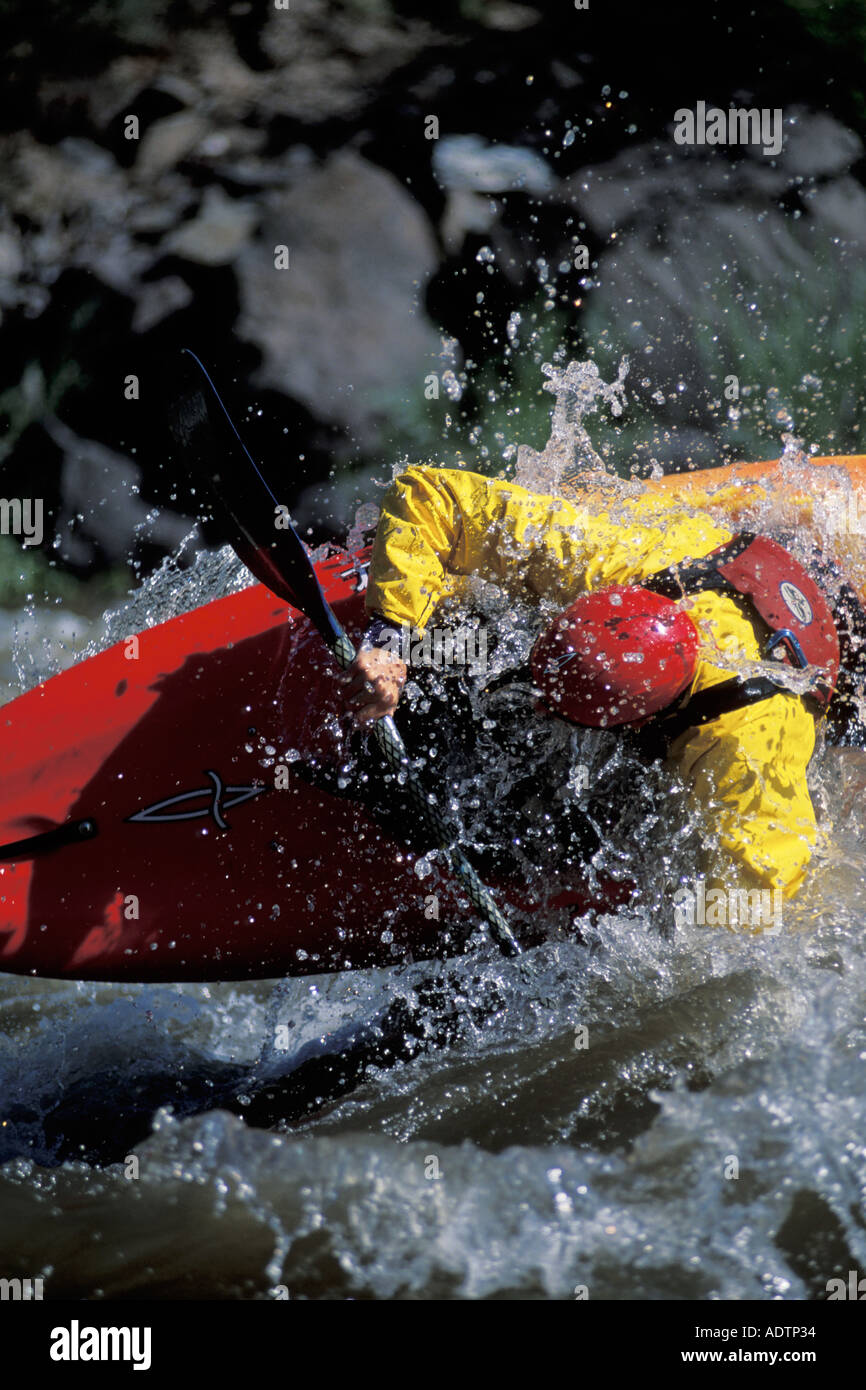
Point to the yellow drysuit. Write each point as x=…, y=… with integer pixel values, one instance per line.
x=746, y=768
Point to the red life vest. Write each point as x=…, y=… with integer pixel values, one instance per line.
x=782, y=595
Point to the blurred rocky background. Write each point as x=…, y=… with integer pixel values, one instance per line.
x=428, y=278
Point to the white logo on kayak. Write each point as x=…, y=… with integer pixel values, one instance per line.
x=360, y=573
x=222, y=799
x=796, y=602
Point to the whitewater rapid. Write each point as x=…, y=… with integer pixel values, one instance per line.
x=642, y=1112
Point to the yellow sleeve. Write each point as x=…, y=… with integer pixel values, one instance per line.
x=438, y=524
x=747, y=770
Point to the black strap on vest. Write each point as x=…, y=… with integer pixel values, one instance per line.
x=697, y=576
x=711, y=704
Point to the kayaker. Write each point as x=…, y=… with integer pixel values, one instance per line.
x=662, y=611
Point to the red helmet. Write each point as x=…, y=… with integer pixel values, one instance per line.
x=615, y=657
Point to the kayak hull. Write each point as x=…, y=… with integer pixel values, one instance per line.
x=211, y=859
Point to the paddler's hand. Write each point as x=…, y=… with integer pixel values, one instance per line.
x=374, y=684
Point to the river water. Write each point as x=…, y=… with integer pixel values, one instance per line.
x=638, y=1113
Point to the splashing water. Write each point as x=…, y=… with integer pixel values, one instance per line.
x=557, y=1165
x=578, y=389
x=45, y=644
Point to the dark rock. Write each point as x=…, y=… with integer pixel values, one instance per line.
x=115, y=91
x=161, y=209
x=11, y=261
x=218, y=232
x=468, y=162
x=43, y=182
x=817, y=146
x=653, y=180
x=840, y=208
x=157, y=300
x=471, y=170
x=341, y=329
x=167, y=142
x=703, y=250
x=329, y=60
x=511, y=18
x=102, y=515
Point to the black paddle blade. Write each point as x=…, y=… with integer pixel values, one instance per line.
x=243, y=498
x=235, y=485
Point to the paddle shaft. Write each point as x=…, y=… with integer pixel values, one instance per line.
x=282, y=564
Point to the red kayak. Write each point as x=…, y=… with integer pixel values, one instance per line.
x=142, y=836
x=143, y=833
